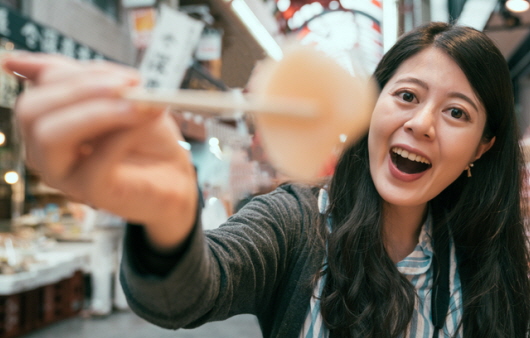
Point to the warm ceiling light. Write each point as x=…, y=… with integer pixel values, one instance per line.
x=517, y=6
x=11, y=177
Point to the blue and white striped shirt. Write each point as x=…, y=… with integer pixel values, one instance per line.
x=417, y=268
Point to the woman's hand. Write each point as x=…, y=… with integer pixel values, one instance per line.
x=98, y=148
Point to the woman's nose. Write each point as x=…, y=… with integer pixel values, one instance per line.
x=421, y=124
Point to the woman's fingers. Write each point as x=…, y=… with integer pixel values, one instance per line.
x=59, y=73
x=136, y=173
x=69, y=105
x=30, y=65
x=65, y=136
x=44, y=99
x=46, y=68
x=118, y=167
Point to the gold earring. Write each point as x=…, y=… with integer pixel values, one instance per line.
x=468, y=168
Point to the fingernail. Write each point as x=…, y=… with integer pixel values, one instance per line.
x=5, y=57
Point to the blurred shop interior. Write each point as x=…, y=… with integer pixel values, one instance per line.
x=58, y=258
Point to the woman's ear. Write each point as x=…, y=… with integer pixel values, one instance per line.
x=483, y=147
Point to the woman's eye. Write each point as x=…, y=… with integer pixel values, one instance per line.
x=406, y=96
x=457, y=113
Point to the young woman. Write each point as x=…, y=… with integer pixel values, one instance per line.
x=420, y=233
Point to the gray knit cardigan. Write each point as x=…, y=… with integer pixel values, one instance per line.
x=261, y=262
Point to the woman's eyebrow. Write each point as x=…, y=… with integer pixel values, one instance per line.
x=417, y=81
x=465, y=98
x=424, y=85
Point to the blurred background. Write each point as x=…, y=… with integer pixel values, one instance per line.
x=58, y=258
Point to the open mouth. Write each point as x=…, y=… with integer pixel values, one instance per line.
x=408, y=162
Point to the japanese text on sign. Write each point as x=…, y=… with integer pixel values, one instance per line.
x=174, y=40
x=35, y=37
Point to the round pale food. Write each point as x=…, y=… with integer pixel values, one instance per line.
x=299, y=146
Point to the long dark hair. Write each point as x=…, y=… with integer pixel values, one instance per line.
x=365, y=295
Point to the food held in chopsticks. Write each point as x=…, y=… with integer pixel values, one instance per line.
x=306, y=108
x=300, y=146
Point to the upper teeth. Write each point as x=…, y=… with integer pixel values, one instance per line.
x=411, y=156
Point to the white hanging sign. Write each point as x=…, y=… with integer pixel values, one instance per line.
x=174, y=40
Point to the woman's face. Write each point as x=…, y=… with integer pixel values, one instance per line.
x=426, y=128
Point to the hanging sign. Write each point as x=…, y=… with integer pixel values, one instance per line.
x=142, y=24
x=29, y=35
x=210, y=45
x=169, y=54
